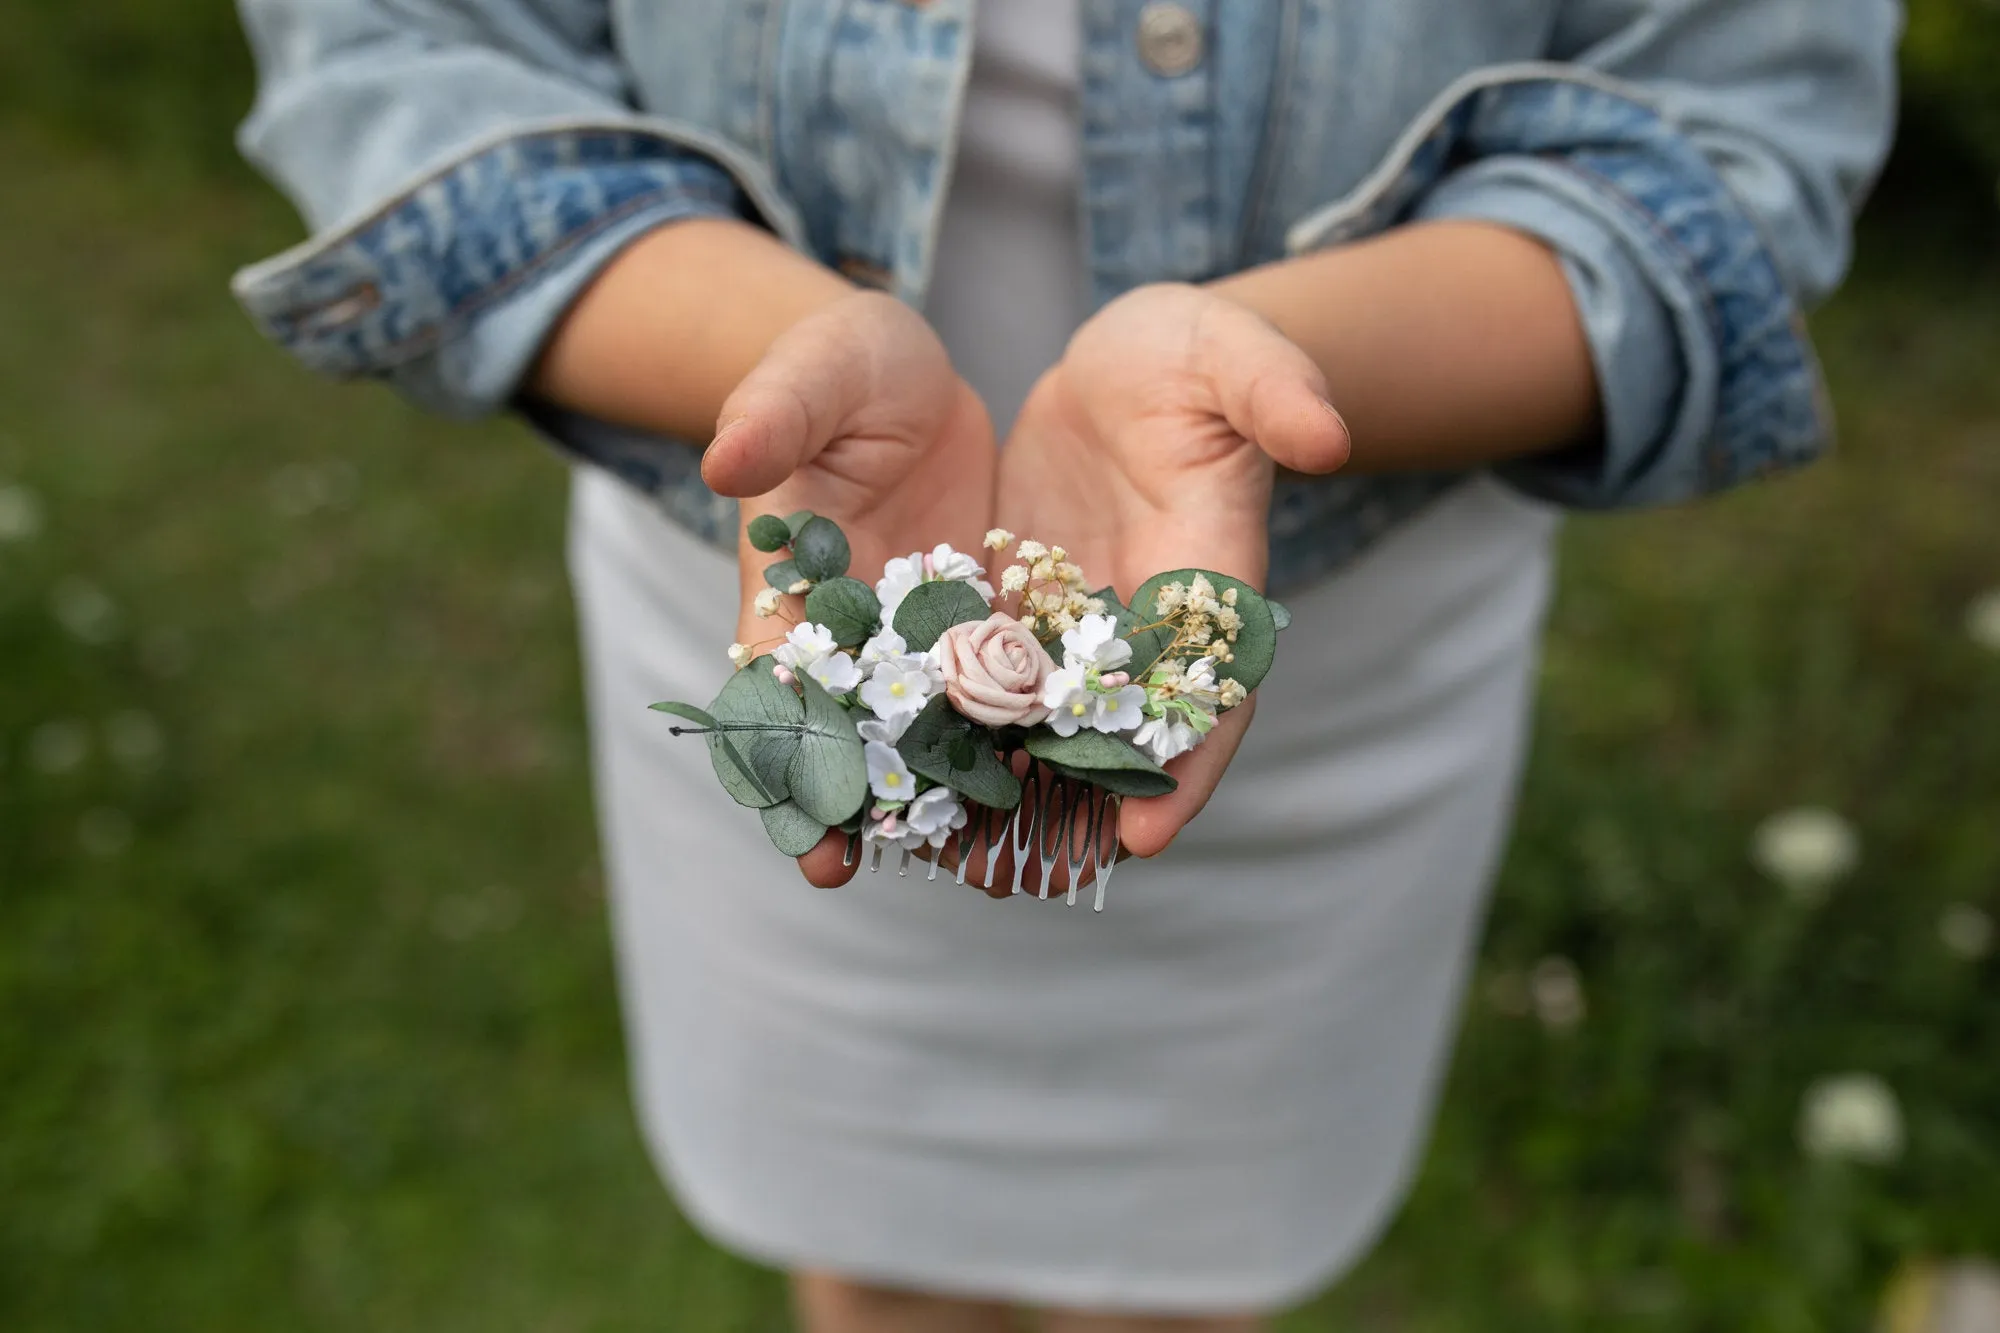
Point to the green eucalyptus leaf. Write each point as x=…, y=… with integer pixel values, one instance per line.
x=783, y=574
x=1256, y=643
x=792, y=830
x=929, y=609
x=828, y=774
x=768, y=533
x=939, y=737
x=1281, y=615
x=820, y=549
x=795, y=523
x=752, y=760
x=847, y=607
x=687, y=711
x=1098, y=757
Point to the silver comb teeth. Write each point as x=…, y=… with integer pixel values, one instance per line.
x=1060, y=821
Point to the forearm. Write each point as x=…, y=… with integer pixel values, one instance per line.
x=1445, y=344
x=672, y=325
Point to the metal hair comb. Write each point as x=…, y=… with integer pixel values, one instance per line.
x=1060, y=821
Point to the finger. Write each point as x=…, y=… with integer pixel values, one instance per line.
x=1150, y=823
x=822, y=865
x=1272, y=393
x=786, y=410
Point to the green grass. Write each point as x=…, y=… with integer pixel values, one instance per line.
x=306, y=1011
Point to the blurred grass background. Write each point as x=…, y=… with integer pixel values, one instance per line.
x=306, y=1011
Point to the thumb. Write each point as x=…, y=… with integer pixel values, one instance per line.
x=1271, y=392
x=787, y=409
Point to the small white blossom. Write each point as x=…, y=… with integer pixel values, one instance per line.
x=899, y=576
x=739, y=655
x=1806, y=850
x=1229, y=596
x=766, y=602
x=805, y=644
x=800, y=587
x=1074, y=705
x=890, y=828
x=886, y=730
x=1013, y=578
x=1169, y=600
x=894, y=690
x=1231, y=694
x=1851, y=1116
x=1198, y=679
x=1982, y=620
x=888, y=776
x=1966, y=931
x=1164, y=738
x=998, y=539
x=836, y=673
x=933, y=816
x=1095, y=643
x=1031, y=551
x=886, y=646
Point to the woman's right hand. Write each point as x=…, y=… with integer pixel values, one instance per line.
x=855, y=413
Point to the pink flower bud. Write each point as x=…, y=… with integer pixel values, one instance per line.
x=784, y=674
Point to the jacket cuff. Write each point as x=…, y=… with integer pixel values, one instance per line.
x=449, y=289
x=1705, y=371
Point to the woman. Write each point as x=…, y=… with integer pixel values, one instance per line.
x=1539, y=253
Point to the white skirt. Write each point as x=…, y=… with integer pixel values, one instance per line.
x=1209, y=1097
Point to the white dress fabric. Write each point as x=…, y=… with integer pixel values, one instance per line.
x=1205, y=1099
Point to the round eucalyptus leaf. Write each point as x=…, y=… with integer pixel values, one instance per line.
x=784, y=574
x=847, y=607
x=939, y=737
x=792, y=830
x=828, y=774
x=794, y=523
x=929, y=609
x=1281, y=615
x=1105, y=760
x=820, y=550
x=768, y=533
x=759, y=719
x=1256, y=642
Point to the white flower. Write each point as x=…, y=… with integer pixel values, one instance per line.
x=957, y=567
x=943, y=564
x=20, y=514
x=1074, y=705
x=1805, y=850
x=1851, y=1116
x=894, y=690
x=800, y=587
x=1557, y=993
x=804, y=645
x=1013, y=578
x=1095, y=643
x=886, y=646
x=836, y=673
x=886, y=730
x=997, y=539
x=1231, y=694
x=891, y=830
x=888, y=776
x=766, y=602
x=899, y=576
x=1966, y=931
x=1982, y=620
x=1199, y=678
x=739, y=655
x=934, y=815
x=1164, y=738
x=1169, y=599
x=1031, y=551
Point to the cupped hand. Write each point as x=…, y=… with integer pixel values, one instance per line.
x=1152, y=445
x=854, y=413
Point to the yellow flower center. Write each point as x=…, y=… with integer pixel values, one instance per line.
x=1076, y=710
x=896, y=688
x=893, y=779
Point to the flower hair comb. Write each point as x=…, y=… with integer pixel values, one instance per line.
x=937, y=716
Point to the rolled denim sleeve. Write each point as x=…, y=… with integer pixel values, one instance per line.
x=467, y=168
x=1695, y=166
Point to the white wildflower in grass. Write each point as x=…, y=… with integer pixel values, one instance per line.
x=766, y=603
x=1557, y=993
x=896, y=690
x=1982, y=620
x=1851, y=1117
x=998, y=539
x=1806, y=850
x=888, y=776
x=58, y=747
x=739, y=656
x=935, y=815
x=1014, y=578
x=1966, y=931
x=1095, y=643
x=85, y=610
x=1167, y=737
x=20, y=514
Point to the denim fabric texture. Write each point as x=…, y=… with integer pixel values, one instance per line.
x=470, y=164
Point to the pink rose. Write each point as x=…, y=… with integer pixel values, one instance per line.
x=993, y=671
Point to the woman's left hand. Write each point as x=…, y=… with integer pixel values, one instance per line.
x=1152, y=445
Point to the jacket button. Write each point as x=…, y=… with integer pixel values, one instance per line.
x=1170, y=39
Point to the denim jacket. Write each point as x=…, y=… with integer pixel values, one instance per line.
x=468, y=165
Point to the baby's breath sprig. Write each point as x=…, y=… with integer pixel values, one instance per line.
x=1053, y=591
